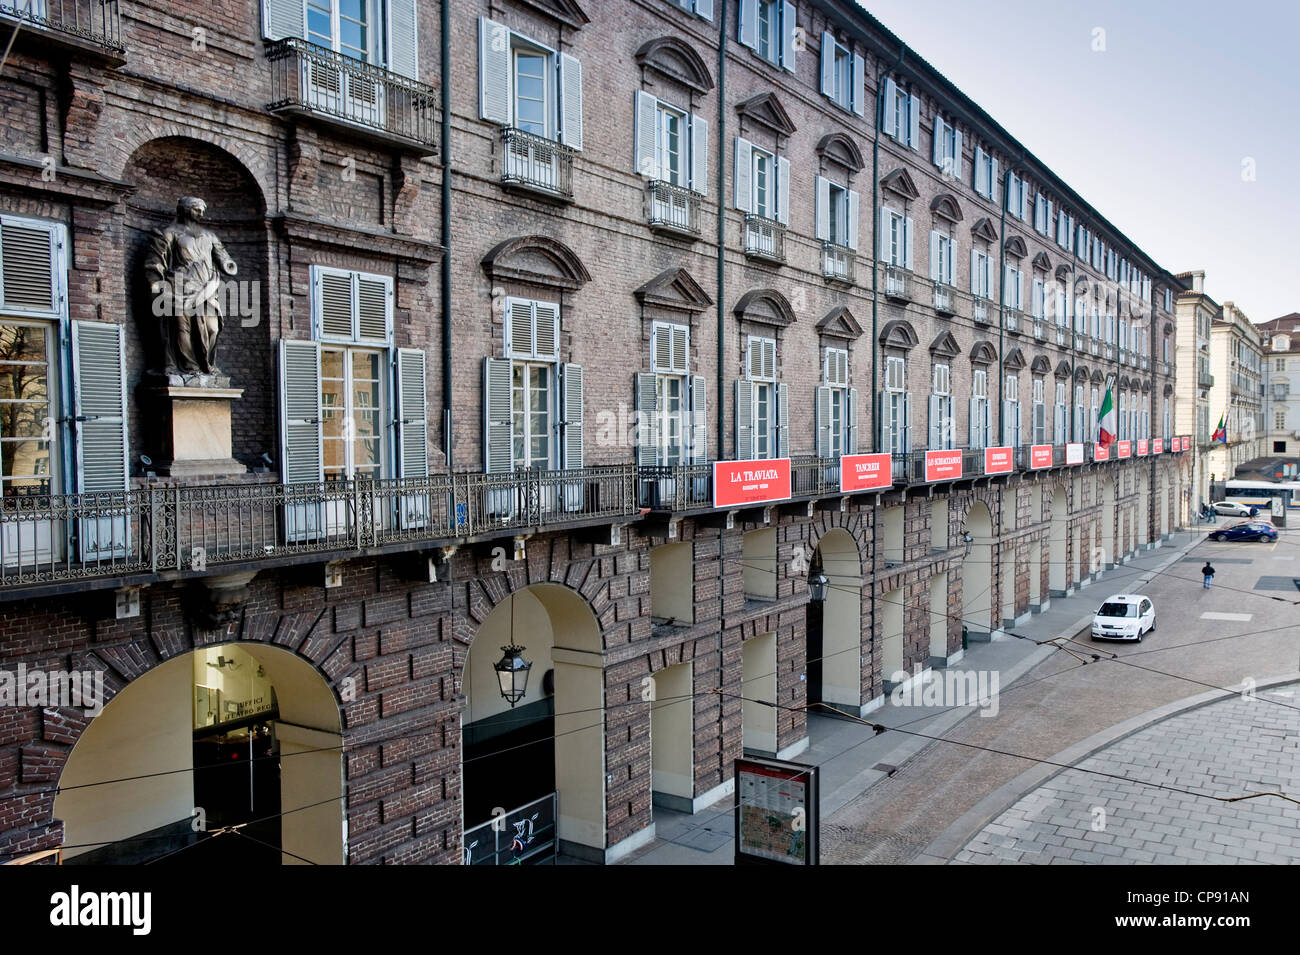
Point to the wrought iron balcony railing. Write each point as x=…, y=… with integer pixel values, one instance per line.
x=1040, y=329
x=1204, y=379
x=1011, y=319
x=1080, y=342
x=93, y=23
x=943, y=299
x=898, y=282
x=1062, y=336
x=311, y=80
x=1166, y=368
x=1108, y=351
x=677, y=487
x=764, y=238
x=1094, y=346
x=671, y=208
x=536, y=164
x=1144, y=362
x=53, y=538
x=838, y=262
x=980, y=310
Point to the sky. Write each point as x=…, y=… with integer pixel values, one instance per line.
x=1182, y=129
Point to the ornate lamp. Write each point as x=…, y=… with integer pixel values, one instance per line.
x=817, y=587
x=512, y=669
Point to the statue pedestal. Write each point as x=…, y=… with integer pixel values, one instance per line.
x=194, y=430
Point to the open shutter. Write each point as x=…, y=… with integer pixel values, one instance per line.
x=497, y=455
x=936, y=143
x=882, y=236
x=412, y=414
x=645, y=398
x=699, y=154
x=956, y=153
x=981, y=173
x=993, y=182
x=884, y=435
x=974, y=272
x=331, y=302
x=859, y=84
x=907, y=243
x=936, y=273
x=828, y=64
x=749, y=23
x=744, y=420
x=936, y=422
x=783, y=190
x=851, y=442
x=99, y=395
x=282, y=18
x=647, y=155
x=571, y=407
x=699, y=421
x=402, y=38
x=743, y=181
x=1008, y=421
x=783, y=421
x=301, y=461
x=822, y=413
x=907, y=421
x=890, y=125
x=974, y=423
x=853, y=220
x=822, y=223
x=788, y=26
x=570, y=101
x=914, y=121
x=493, y=69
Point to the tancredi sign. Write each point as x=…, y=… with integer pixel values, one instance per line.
x=738, y=483
x=1123, y=449
x=942, y=465
x=997, y=461
x=1074, y=454
x=865, y=472
x=1040, y=456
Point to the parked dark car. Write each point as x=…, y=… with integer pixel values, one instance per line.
x=1246, y=531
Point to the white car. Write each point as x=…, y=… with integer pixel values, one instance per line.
x=1124, y=617
x=1232, y=508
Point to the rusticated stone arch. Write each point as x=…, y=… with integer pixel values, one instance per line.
x=135, y=135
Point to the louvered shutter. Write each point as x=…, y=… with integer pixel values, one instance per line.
x=493, y=70
x=783, y=421
x=301, y=461
x=883, y=253
x=412, y=435
x=890, y=125
x=936, y=142
x=822, y=412
x=936, y=422
x=853, y=220
x=828, y=64
x=974, y=272
x=570, y=71
x=822, y=223
x=699, y=421
x=744, y=420
x=660, y=347
x=645, y=398
x=974, y=423
x=743, y=182
x=885, y=438
x=99, y=394
x=332, y=303
x=993, y=182
x=374, y=309
x=497, y=455
x=936, y=272
x=851, y=442
x=519, y=328
x=914, y=121
x=981, y=173
x=680, y=348
x=645, y=146
x=788, y=28
x=31, y=266
x=749, y=23
x=907, y=243
x=783, y=190
x=403, y=38
x=546, y=330
x=571, y=382
x=1008, y=421
x=282, y=18
x=769, y=358
x=859, y=84
x=699, y=155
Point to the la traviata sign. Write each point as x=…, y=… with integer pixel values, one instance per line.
x=1157, y=445
x=1074, y=453
x=1123, y=449
x=865, y=472
x=740, y=483
x=942, y=465
x=998, y=461
x=1143, y=446
x=1040, y=456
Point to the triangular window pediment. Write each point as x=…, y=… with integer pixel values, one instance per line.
x=900, y=183
x=766, y=110
x=945, y=346
x=839, y=323
x=1042, y=262
x=985, y=229
x=674, y=289
x=566, y=11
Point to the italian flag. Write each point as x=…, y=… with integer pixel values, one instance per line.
x=1107, y=423
x=1221, y=432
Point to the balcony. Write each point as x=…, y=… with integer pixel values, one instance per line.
x=838, y=262
x=980, y=311
x=1011, y=320
x=1062, y=336
x=1204, y=379
x=1123, y=356
x=898, y=284
x=1040, y=329
x=166, y=532
x=764, y=238
x=1280, y=389
x=536, y=166
x=1107, y=351
x=943, y=299
x=1080, y=342
x=1144, y=362
x=672, y=209
x=309, y=80
x=90, y=27
x=1094, y=346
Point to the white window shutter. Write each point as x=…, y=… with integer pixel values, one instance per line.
x=884, y=434
x=403, y=41
x=744, y=176
x=571, y=382
x=645, y=146
x=300, y=415
x=546, y=330
x=374, y=295
x=412, y=414
x=936, y=422
x=749, y=23
x=498, y=458
x=493, y=70
x=853, y=220
x=699, y=154
x=914, y=121
x=822, y=223
x=331, y=303
x=882, y=236
x=936, y=142
x=822, y=412
x=788, y=27
x=32, y=266
x=783, y=421
x=988, y=277
x=570, y=101
x=890, y=125
x=769, y=357
x=99, y=392
x=907, y=421
x=744, y=420
x=859, y=84
x=993, y=182
x=704, y=9
x=645, y=399
x=699, y=421
x=935, y=275
x=974, y=272
x=907, y=243
x=950, y=264
x=783, y=190
x=851, y=442
x=280, y=19
x=981, y=173
x=828, y=64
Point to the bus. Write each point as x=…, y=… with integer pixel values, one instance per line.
x=1279, y=498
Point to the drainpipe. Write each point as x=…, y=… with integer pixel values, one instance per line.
x=722, y=228
x=444, y=25
x=875, y=260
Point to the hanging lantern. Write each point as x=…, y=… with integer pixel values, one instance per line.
x=512, y=673
x=817, y=587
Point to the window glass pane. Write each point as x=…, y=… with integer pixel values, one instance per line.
x=761, y=169
x=530, y=92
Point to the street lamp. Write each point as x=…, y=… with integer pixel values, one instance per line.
x=817, y=587
x=512, y=669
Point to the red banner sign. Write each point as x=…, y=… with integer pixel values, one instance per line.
x=1143, y=446
x=865, y=472
x=1157, y=446
x=741, y=483
x=942, y=465
x=1040, y=456
x=1123, y=449
x=1074, y=454
x=998, y=461
x=1185, y=443
x=1100, y=453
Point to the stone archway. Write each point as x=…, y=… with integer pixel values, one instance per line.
x=835, y=625
x=1058, y=547
x=977, y=574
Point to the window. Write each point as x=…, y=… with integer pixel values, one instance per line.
x=671, y=145
x=670, y=405
x=895, y=239
x=1043, y=214
x=986, y=174
x=527, y=86
x=1059, y=435
x=1017, y=197
x=941, y=423
x=837, y=214
x=836, y=407
x=1166, y=425
x=981, y=274
x=895, y=408
x=381, y=32
x=701, y=8
x=842, y=75
x=1039, y=418
x=340, y=25
x=902, y=115
x=768, y=28
x=1062, y=308
x=1011, y=412
x=1122, y=418
x=1082, y=245
x=1038, y=299
x=1093, y=415
x=1279, y=364
x=979, y=409
x=942, y=259
x=1079, y=414
x=1169, y=300
x=762, y=182
x=1064, y=230
x=762, y=405
x=352, y=412
x=1012, y=288
x=1279, y=420
x=947, y=147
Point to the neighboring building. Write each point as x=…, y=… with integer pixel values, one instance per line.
x=1281, y=360
x=1237, y=393
x=485, y=394
x=1196, y=312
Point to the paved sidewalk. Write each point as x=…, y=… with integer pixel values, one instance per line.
x=852, y=758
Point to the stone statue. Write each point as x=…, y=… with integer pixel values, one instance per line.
x=184, y=269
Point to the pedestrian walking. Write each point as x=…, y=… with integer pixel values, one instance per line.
x=1208, y=573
